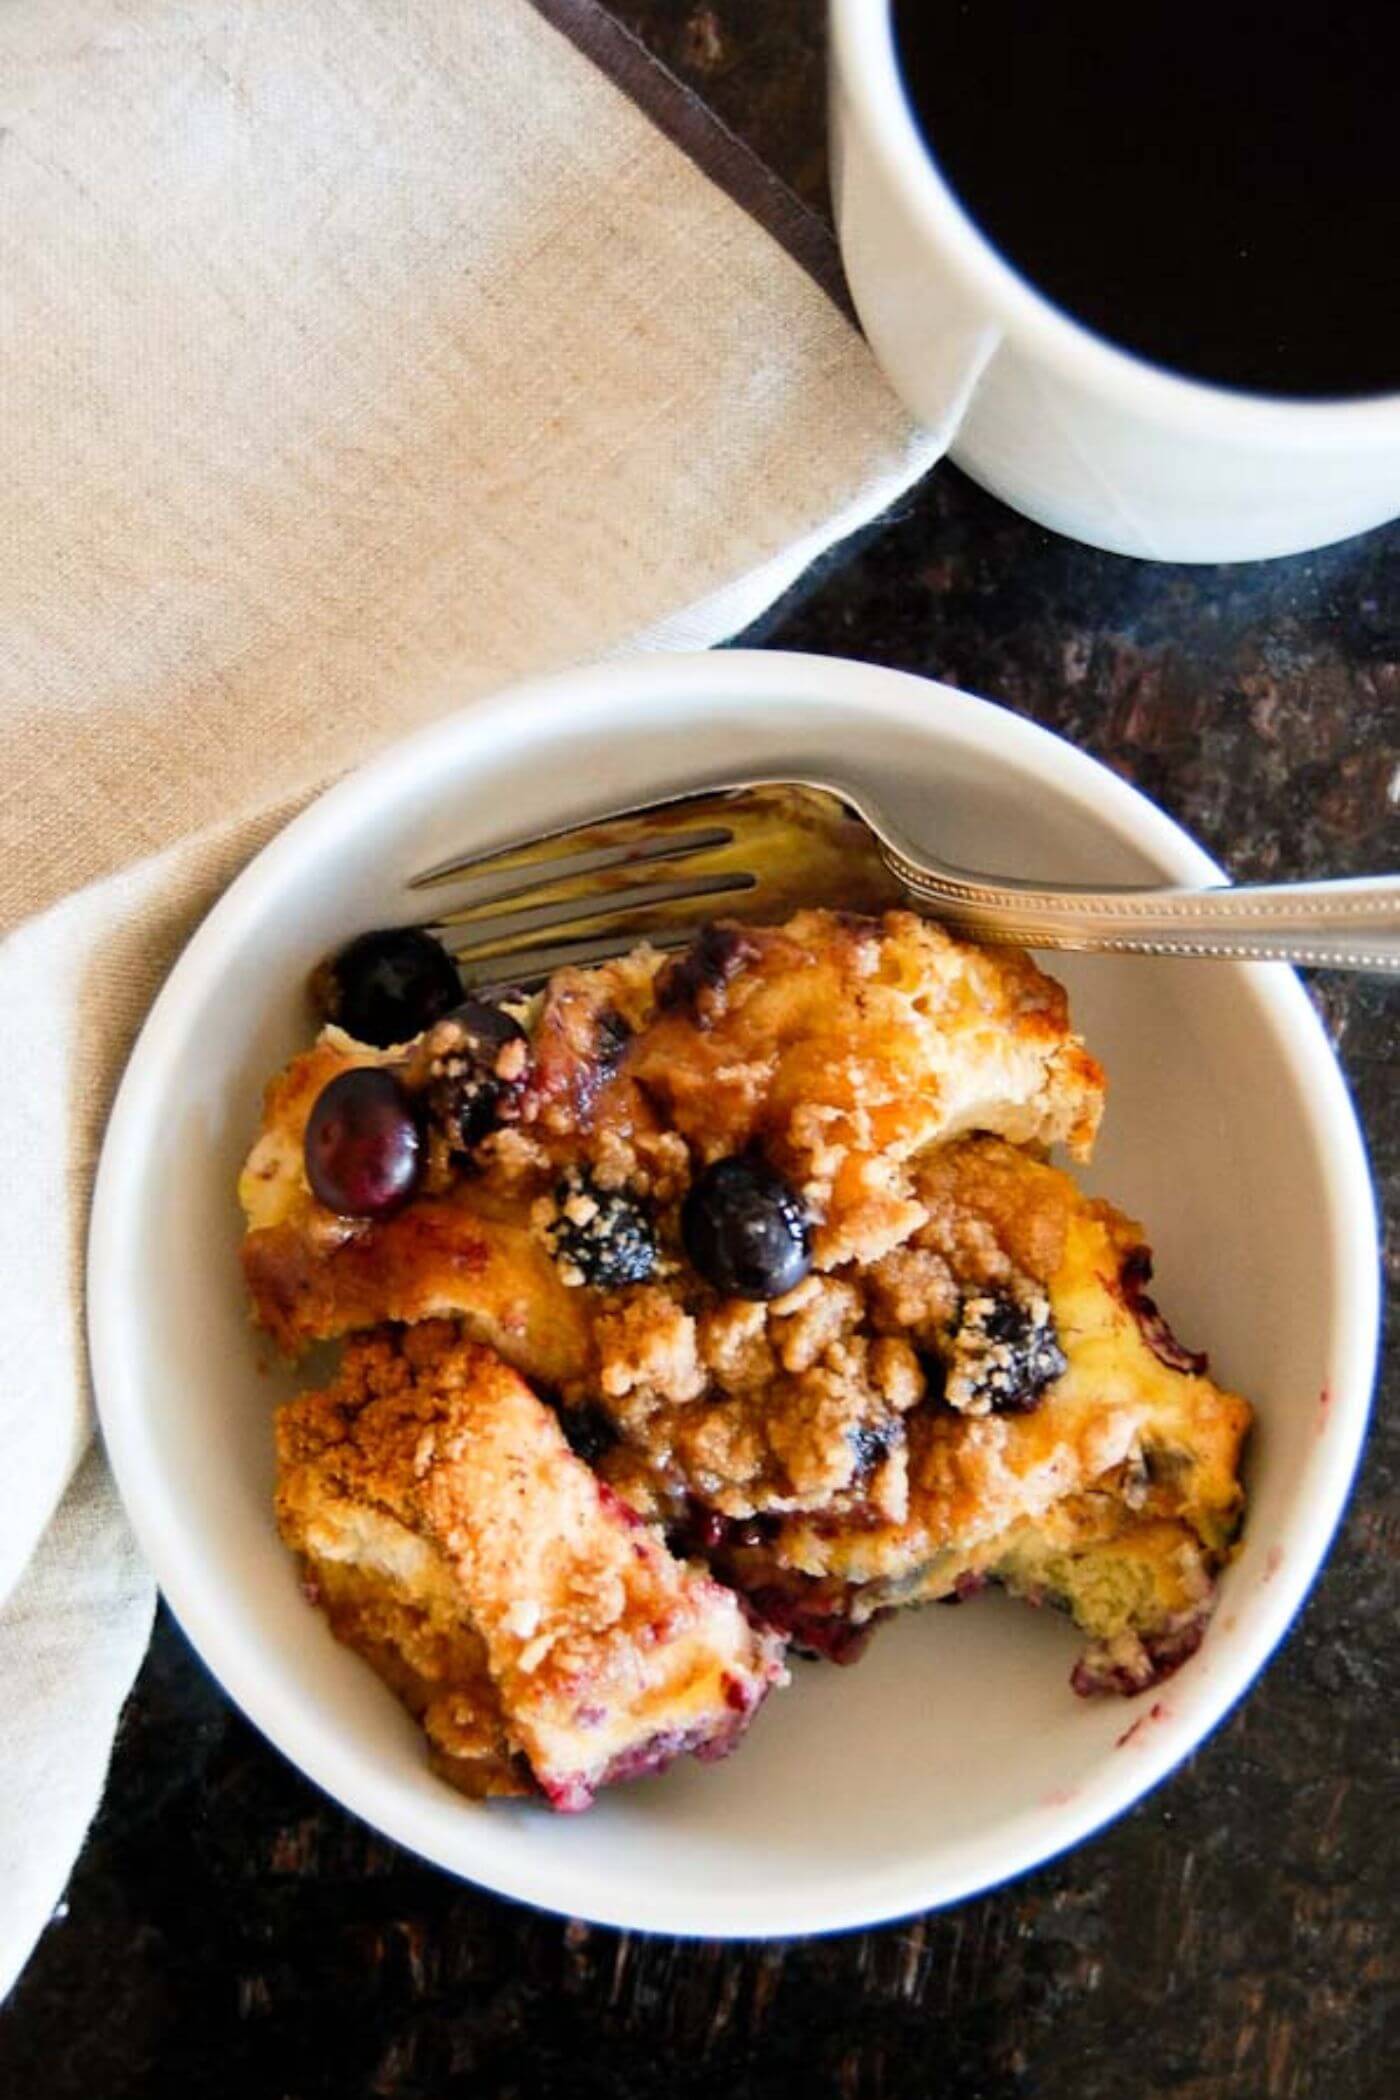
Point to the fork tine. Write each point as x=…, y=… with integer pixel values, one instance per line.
x=487, y=974
x=651, y=832
x=606, y=872
x=499, y=883
x=588, y=892
x=489, y=931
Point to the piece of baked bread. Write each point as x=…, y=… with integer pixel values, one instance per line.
x=541, y=1632
x=1113, y=1460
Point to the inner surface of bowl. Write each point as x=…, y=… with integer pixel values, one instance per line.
x=955, y=1753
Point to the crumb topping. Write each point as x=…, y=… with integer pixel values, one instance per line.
x=498, y=1572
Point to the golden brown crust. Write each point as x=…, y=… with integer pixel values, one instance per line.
x=438, y=1258
x=837, y=1042
x=434, y=1662
x=533, y=1622
x=842, y=1046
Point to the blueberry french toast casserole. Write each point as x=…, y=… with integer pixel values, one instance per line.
x=705, y=1306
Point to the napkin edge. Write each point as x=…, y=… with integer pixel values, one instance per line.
x=706, y=140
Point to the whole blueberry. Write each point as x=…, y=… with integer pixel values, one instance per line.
x=363, y=1146
x=387, y=986
x=746, y=1231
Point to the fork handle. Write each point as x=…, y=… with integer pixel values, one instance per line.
x=1347, y=925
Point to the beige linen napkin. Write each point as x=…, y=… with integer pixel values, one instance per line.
x=353, y=359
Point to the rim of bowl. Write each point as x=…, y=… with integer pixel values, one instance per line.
x=334, y=1762
x=864, y=46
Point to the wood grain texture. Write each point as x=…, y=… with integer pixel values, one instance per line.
x=229, y=1933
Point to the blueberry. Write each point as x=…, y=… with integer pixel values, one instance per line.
x=1005, y=1353
x=466, y=1093
x=388, y=986
x=599, y=1236
x=1134, y=1277
x=590, y=1434
x=746, y=1231
x=694, y=983
x=869, y=1444
x=364, y=1149
x=486, y=1028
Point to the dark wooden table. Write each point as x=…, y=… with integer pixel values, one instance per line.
x=230, y=1933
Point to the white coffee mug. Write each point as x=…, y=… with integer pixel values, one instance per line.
x=1080, y=436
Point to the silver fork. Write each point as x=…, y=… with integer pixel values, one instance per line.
x=762, y=849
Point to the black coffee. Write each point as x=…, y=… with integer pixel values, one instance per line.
x=1216, y=187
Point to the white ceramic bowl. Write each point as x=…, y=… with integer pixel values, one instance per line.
x=955, y=1754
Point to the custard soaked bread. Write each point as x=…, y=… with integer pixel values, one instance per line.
x=771, y=1226
x=1073, y=1450
x=546, y=1639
